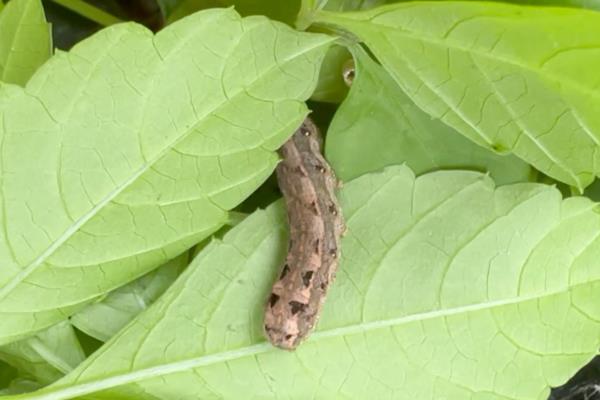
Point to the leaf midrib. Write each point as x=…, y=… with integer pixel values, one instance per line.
x=16, y=35
x=330, y=17
x=260, y=348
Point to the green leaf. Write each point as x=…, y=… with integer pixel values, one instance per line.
x=7, y=372
x=20, y=385
x=331, y=87
x=139, y=146
x=284, y=11
x=25, y=40
x=86, y=10
x=88, y=344
x=458, y=290
x=378, y=125
x=168, y=6
x=467, y=64
x=351, y=5
x=47, y=356
x=104, y=319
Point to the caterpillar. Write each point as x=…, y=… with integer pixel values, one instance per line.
x=316, y=225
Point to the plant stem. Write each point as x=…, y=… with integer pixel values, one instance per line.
x=90, y=12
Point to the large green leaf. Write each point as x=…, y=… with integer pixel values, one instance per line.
x=47, y=356
x=104, y=319
x=468, y=64
x=378, y=125
x=128, y=150
x=25, y=40
x=458, y=290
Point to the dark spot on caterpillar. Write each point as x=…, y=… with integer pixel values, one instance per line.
x=333, y=253
x=296, y=307
x=306, y=277
x=317, y=242
x=273, y=299
x=306, y=132
x=323, y=286
x=284, y=272
x=332, y=209
x=288, y=337
x=320, y=168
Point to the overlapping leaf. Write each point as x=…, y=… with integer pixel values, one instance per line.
x=511, y=78
x=378, y=125
x=104, y=319
x=126, y=151
x=47, y=356
x=459, y=290
x=25, y=40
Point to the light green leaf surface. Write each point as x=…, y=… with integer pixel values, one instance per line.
x=25, y=40
x=378, y=125
x=331, y=87
x=48, y=355
x=139, y=146
x=469, y=65
x=458, y=290
x=104, y=319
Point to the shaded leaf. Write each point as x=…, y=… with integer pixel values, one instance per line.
x=103, y=319
x=7, y=373
x=25, y=40
x=459, y=290
x=284, y=11
x=331, y=86
x=467, y=64
x=378, y=125
x=139, y=146
x=20, y=385
x=47, y=356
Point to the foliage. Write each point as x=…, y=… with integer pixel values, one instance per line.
x=25, y=41
x=135, y=154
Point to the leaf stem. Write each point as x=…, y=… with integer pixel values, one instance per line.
x=90, y=12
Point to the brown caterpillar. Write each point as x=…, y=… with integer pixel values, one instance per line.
x=316, y=225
